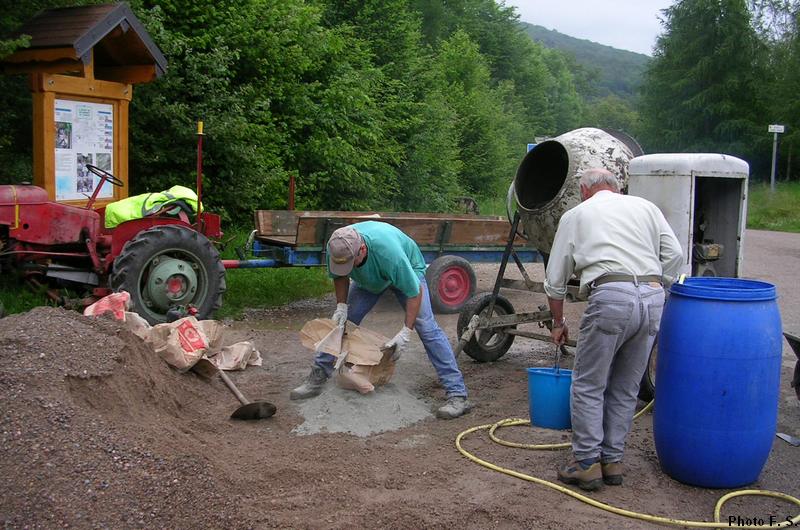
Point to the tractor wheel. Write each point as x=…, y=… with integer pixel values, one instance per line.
x=168, y=266
x=647, y=388
x=451, y=282
x=487, y=345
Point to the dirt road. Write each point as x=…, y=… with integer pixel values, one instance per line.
x=96, y=433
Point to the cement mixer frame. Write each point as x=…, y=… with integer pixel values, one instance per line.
x=703, y=197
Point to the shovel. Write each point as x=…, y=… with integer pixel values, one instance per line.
x=250, y=410
x=788, y=438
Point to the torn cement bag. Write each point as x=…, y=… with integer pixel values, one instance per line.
x=184, y=342
x=181, y=343
x=364, y=378
x=236, y=356
x=137, y=325
x=214, y=331
x=115, y=303
x=366, y=362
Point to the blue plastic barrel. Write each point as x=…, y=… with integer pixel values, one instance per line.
x=548, y=397
x=718, y=381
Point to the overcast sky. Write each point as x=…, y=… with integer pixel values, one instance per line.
x=626, y=24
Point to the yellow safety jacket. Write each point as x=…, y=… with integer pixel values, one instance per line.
x=138, y=206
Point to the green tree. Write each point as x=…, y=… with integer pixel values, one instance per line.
x=700, y=91
x=486, y=147
x=612, y=112
x=782, y=98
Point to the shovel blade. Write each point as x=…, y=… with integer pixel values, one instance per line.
x=788, y=438
x=255, y=410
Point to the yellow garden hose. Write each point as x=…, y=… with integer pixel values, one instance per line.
x=492, y=427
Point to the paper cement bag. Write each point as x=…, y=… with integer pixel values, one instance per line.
x=237, y=356
x=181, y=343
x=138, y=325
x=363, y=345
x=115, y=303
x=366, y=366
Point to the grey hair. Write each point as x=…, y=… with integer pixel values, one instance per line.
x=599, y=177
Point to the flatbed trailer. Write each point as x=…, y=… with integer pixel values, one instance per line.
x=449, y=244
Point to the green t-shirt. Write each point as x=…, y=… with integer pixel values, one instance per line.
x=393, y=259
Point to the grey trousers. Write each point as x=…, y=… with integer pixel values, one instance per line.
x=616, y=334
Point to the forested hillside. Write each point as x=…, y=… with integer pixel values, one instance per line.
x=371, y=104
x=408, y=104
x=614, y=71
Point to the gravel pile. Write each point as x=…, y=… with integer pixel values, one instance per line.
x=93, y=430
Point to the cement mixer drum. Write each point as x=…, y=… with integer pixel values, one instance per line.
x=547, y=181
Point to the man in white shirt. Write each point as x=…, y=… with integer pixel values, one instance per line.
x=623, y=250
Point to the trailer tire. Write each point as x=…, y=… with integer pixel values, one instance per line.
x=451, y=283
x=167, y=266
x=487, y=346
x=647, y=388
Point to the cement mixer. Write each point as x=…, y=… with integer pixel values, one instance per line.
x=545, y=186
x=546, y=183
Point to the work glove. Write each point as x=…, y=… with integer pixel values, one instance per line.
x=399, y=343
x=340, y=315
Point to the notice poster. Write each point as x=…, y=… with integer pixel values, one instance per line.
x=84, y=135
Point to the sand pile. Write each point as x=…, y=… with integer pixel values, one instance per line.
x=95, y=429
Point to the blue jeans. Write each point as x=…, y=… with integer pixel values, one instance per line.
x=360, y=301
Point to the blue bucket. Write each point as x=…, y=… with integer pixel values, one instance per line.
x=548, y=397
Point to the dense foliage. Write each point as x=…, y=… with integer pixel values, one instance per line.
x=723, y=70
x=408, y=104
x=371, y=104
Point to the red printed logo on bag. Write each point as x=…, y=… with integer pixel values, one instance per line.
x=190, y=339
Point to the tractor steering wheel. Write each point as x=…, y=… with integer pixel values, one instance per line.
x=104, y=175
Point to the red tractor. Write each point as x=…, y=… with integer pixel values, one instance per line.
x=164, y=261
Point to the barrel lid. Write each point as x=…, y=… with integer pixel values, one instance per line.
x=730, y=289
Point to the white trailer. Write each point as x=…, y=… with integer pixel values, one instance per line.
x=704, y=198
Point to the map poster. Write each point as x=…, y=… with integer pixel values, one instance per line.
x=84, y=135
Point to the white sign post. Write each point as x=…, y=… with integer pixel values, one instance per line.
x=776, y=130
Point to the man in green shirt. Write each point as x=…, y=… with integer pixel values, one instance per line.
x=378, y=256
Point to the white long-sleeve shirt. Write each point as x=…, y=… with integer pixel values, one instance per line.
x=611, y=233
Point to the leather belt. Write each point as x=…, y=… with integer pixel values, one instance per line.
x=627, y=278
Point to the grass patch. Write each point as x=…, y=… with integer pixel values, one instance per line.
x=493, y=203
x=774, y=211
x=259, y=288
x=17, y=298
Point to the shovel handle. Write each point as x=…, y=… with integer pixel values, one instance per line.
x=233, y=388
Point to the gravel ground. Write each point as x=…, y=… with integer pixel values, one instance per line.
x=97, y=432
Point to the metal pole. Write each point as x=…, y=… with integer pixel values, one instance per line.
x=774, y=162
x=199, y=174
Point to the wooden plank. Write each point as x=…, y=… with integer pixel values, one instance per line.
x=423, y=230
x=78, y=86
x=412, y=215
x=53, y=67
x=42, y=55
x=128, y=74
x=44, y=142
x=281, y=241
x=271, y=223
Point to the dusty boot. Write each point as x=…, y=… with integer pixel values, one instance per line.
x=612, y=473
x=587, y=476
x=456, y=406
x=312, y=386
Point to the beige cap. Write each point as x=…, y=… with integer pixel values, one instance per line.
x=343, y=247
